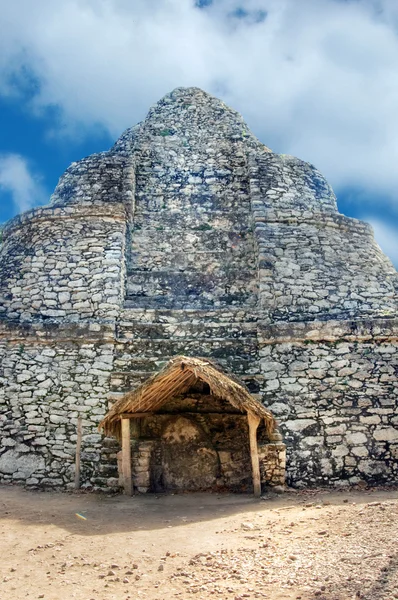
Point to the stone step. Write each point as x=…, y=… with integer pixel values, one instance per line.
x=194, y=346
x=193, y=315
x=185, y=329
x=224, y=204
x=124, y=381
x=205, y=225
x=186, y=302
x=187, y=257
x=229, y=286
x=205, y=237
x=231, y=361
x=143, y=215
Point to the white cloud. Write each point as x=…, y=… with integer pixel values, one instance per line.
x=17, y=179
x=387, y=238
x=315, y=78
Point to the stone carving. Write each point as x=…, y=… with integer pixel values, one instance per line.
x=191, y=237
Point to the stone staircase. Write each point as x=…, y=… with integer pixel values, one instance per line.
x=148, y=338
x=207, y=262
x=194, y=289
x=192, y=278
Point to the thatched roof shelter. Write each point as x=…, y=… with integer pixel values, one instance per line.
x=175, y=379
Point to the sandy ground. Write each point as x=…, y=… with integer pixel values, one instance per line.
x=307, y=545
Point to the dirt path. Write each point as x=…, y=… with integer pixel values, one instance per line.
x=308, y=545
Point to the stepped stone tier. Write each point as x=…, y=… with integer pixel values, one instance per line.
x=190, y=237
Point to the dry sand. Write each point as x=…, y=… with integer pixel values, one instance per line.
x=309, y=545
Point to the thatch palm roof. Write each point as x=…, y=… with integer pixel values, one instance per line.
x=176, y=378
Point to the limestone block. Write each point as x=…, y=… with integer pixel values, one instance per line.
x=360, y=451
x=340, y=451
x=370, y=420
x=11, y=463
x=58, y=419
x=339, y=429
x=299, y=424
x=356, y=438
x=386, y=434
x=25, y=376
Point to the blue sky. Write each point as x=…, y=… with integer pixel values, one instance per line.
x=313, y=78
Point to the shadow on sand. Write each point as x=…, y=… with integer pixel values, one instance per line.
x=111, y=514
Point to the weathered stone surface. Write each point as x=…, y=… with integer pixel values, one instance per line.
x=12, y=463
x=386, y=434
x=191, y=237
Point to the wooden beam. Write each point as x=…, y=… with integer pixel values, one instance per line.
x=179, y=412
x=78, y=449
x=202, y=413
x=126, y=456
x=254, y=421
x=135, y=415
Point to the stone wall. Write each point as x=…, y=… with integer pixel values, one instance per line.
x=286, y=183
x=333, y=389
x=64, y=262
x=335, y=401
x=272, y=457
x=313, y=262
x=101, y=179
x=49, y=376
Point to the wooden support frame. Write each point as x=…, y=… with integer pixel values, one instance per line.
x=254, y=421
x=79, y=433
x=142, y=415
x=136, y=415
x=126, y=456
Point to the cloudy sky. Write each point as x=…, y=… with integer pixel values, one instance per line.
x=313, y=78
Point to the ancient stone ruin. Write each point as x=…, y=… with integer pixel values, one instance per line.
x=191, y=239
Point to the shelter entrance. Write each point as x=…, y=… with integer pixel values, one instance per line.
x=194, y=442
x=187, y=458
x=192, y=427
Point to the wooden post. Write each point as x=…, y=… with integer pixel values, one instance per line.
x=78, y=449
x=126, y=456
x=254, y=422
